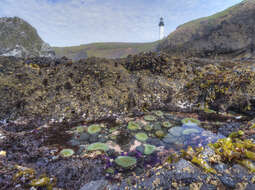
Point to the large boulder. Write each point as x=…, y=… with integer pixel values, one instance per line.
x=18, y=38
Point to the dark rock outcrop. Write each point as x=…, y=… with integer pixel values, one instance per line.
x=18, y=38
x=229, y=33
x=94, y=88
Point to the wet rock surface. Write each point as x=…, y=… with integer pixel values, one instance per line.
x=59, y=90
x=37, y=151
x=126, y=121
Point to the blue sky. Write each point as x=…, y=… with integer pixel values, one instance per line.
x=75, y=22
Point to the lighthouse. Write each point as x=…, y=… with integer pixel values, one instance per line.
x=161, y=28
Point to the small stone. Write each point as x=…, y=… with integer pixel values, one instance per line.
x=155, y=141
x=228, y=181
x=93, y=138
x=170, y=139
x=74, y=142
x=84, y=137
x=140, y=149
x=176, y=131
x=2, y=153
x=95, y=185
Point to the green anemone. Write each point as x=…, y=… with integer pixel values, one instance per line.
x=98, y=146
x=148, y=128
x=133, y=126
x=141, y=136
x=149, y=149
x=167, y=124
x=66, y=152
x=79, y=129
x=160, y=134
x=149, y=118
x=94, y=129
x=190, y=122
x=190, y=131
x=159, y=113
x=125, y=161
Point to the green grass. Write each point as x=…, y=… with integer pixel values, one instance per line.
x=213, y=18
x=107, y=50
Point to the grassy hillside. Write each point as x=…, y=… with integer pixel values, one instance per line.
x=229, y=32
x=107, y=50
x=195, y=23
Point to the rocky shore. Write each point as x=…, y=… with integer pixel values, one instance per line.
x=149, y=121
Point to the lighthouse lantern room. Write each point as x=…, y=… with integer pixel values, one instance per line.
x=161, y=29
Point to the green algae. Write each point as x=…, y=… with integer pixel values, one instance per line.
x=195, y=157
x=98, y=146
x=141, y=136
x=235, y=150
x=248, y=164
x=44, y=181
x=236, y=134
x=207, y=110
x=125, y=161
x=28, y=173
x=202, y=163
x=93, y=129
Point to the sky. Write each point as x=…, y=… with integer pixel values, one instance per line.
x=75, y=22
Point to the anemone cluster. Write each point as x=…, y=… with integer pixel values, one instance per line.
x=137, y=143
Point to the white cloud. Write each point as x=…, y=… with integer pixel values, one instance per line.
x=73, y=22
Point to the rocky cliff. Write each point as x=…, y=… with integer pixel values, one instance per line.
x=228, y=33
x=18, y=38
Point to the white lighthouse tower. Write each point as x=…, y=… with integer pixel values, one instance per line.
x=161, y=29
